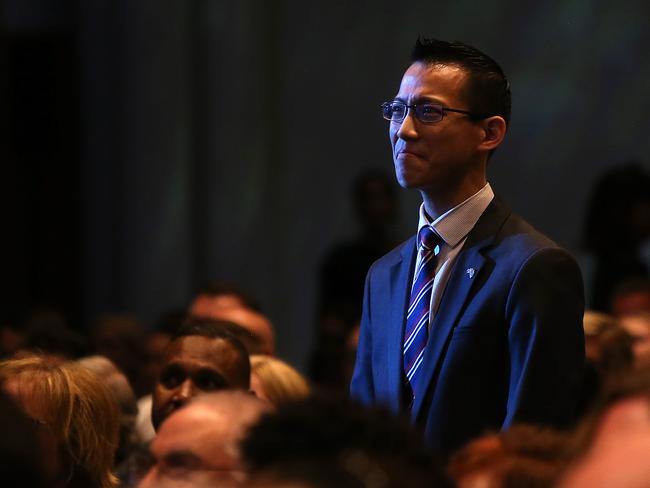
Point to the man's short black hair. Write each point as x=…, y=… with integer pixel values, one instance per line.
x=487, y=90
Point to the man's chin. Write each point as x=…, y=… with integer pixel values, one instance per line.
x=407, y=181
x=407, y=176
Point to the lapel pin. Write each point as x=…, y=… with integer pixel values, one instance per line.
x=470, y=272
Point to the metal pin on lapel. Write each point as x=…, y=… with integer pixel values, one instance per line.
x=470, y=272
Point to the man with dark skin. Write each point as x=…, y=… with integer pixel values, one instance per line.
x=202, y=357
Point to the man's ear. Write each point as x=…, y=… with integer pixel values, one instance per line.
x=494, y=130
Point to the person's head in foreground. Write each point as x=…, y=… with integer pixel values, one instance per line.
x=198, y=445
x=613, y=442
x=524, y=455
x=77, y=416
x=321, y=442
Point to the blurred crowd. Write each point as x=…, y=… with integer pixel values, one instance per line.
x=201, y=399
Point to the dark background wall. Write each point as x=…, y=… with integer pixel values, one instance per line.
x=149, y=146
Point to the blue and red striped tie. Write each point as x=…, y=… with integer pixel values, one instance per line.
x=416, y=333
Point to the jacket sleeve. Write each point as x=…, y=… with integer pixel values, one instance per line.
x=544, y=311
x=361, y=386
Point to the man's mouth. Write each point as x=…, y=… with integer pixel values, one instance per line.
x=404, y=153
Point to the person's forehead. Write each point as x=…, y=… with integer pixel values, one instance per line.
x=432, y=81
x=210, y=305
x=253, y=321
x=199, y=350
x=192, y=429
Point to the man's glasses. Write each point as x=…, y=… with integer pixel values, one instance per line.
x=427, y=113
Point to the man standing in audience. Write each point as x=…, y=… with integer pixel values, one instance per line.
x=475, y=322
x=199, y=444
x=201, y=358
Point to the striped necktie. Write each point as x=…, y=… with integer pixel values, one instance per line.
x=416, y=333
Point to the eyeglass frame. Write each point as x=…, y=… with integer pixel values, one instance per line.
x=443, y=110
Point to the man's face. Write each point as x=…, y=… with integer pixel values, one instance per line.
x=196, y=446
x=232, y=309
x=195, y=365
x=439, y=157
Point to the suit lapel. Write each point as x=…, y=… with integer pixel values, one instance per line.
x=399, y=286
x=468, y=265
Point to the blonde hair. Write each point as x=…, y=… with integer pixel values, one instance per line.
x=281, y=382
x=77, y=406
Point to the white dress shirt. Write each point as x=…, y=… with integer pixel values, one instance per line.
x=453, y=227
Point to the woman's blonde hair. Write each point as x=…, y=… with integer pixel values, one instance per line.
x=77, y=406
x=281, y=382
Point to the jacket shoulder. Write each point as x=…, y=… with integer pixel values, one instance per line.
x=518, y=236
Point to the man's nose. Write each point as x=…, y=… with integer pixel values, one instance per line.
x=184, y=392
x=407, y=128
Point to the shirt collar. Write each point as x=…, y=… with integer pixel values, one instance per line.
x=455, y=223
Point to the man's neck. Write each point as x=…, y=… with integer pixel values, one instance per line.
x=437, y=203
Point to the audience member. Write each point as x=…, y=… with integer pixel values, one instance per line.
x=523, y=455
x=221, y=302
x=613, y=442
x=198, y=445
x=638, y=327
x=620, y=207
x=202, y=357
x=77, y=416
x=221, y=295
x=608, y=345
x=609, y=353
x=632, y=297
x=343, y=273
x=145, y=427
x=319, y=442
x=618, y=455
x=121, y=338
x=275, y=381
x=251, y=341
x=123, y=393
x=594, y=323
x=615, y=355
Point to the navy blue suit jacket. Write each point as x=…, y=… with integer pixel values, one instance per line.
x=506, y=344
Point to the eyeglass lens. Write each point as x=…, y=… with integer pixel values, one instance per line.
x=426, y=112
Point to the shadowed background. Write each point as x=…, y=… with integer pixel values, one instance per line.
x=151, y=146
